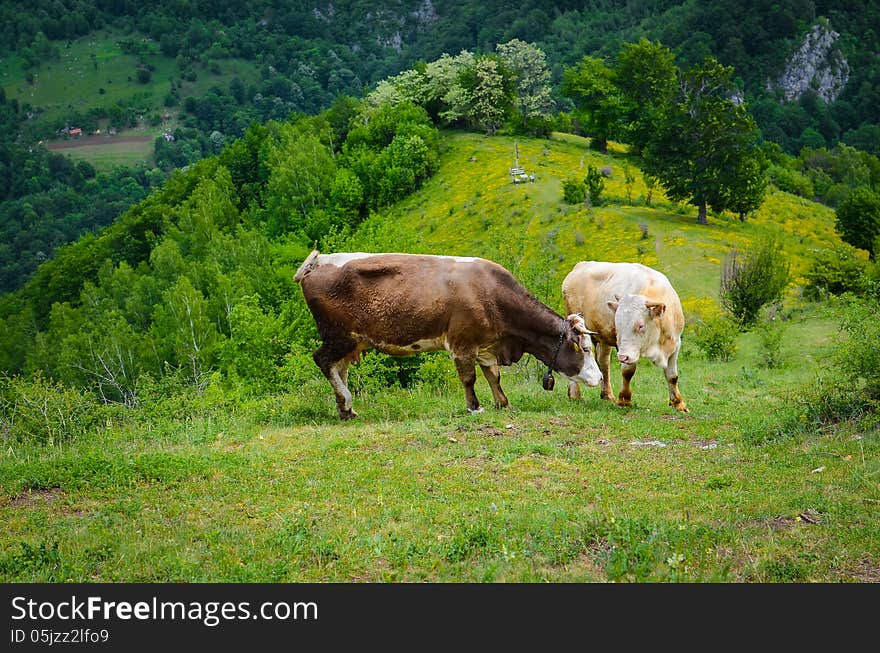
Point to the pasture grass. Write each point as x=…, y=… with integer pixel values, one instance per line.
x=109, y=155
x=94, y=72
x=417, y=489
x=472, y=208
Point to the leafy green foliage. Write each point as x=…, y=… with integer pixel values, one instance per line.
x=750, y=280
x=595, y=184
x=705, y=148
x=716, y=338
x=770, y=333
x=843, y=269
x=574, y=191
x=645, y=74
x=599, y=105
x=39, y=411
x=858, y=219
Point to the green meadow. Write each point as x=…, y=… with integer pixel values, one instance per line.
x=93, y=72
x=229, y=488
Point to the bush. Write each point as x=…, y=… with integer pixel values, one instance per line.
x=437, y=371
x=791, y=181
x=716, y=338
x=595, y=185
x=838, y=271
x=770, y=338
x=43, y=412
x=573, y=191
x=859, y=354
x=858, y=219
x=751, y=280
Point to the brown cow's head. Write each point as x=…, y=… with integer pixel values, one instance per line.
x=575, y=359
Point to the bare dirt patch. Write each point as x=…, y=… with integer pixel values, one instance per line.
x=867, y=571
x=779, y=523
x=41, y=497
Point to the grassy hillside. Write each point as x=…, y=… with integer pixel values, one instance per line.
x=471, y=207
x=94, y=72
x=220, y=487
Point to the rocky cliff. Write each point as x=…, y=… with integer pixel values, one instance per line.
x=817, y=64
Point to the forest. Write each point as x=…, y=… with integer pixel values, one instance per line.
x=305, y=58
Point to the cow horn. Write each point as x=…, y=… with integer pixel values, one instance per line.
x=578, y=324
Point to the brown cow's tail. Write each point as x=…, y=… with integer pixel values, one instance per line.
x=307, y=265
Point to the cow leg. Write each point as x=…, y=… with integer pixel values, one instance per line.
x=603, y=358
x=467, y=372
x=625, y=396
x=331, y=358
x=671, y=373
x=493, y=376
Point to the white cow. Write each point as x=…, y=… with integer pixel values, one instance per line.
x=633, y=308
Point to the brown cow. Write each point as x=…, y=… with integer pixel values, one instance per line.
x=631, y=307
x=402, y=304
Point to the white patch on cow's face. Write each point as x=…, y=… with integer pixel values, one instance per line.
x=590, y=374
x=636, y=330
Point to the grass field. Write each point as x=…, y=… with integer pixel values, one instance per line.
x=128, y=149
x=416, y=489
x=93, y=72
x=275, y=488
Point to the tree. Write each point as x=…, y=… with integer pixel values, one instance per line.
x=704, y=141
x=528, y=65
x=444, y=96
x=745, y=181
x=599, y=105
x=645, y=74
x=487, y=100
x=858, y=220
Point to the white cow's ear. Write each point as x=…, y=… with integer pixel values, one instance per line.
x=657, y=308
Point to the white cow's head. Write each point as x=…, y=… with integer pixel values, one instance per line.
x=636, y=322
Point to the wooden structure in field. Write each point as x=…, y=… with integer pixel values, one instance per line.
x=517, y=172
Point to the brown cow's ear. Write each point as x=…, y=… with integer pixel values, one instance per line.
x=612, y=305
x=656, y=308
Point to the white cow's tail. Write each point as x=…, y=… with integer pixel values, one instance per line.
x=307, y=265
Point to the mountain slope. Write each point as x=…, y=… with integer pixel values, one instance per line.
x=471, y=207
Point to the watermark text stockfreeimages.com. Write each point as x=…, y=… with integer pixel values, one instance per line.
x=208, y=613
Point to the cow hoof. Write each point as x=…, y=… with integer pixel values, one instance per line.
x=475, y=411
x=624, y=403
x=347, y=414
x=680, y=406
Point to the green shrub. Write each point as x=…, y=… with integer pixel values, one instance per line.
x=791, y=181
x=595, y=185
x=838, y=271
x=437, y=371
x=43, y=412
x=716, y=338
x=770, y=338
x=858, y=219
x=751, y=280
x=859, y=354
x=573, y=191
